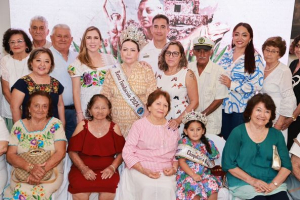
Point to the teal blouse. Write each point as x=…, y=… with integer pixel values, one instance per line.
x=253, y=158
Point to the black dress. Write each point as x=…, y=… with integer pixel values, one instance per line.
x=294, y=128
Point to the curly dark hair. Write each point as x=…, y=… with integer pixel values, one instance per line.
x=276, y=42
x=267, y=101
x=296, y=41
x=92, y=102
x=7, y=35
x=162, y=65
x=38, y=93
x=203, y=139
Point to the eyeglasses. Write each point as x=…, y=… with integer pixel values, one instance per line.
x=15, y=42
x=272, y=52
x=297, y=46
x=174, y=53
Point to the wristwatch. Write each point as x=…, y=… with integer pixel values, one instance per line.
x=275, y=183
x=294, y=118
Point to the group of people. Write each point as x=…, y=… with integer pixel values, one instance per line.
x=153, y=110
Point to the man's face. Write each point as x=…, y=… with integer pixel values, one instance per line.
x=61, y=39
x=38, y=30
x=147, y=10
x=202, y=56
x=160, y=29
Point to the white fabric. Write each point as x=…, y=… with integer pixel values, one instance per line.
x=11, y=71
x=60, y=72
x=150, y=54
x=4, y=134
x=295, y=149
x=278, y=85
x=136, y=186
x=210, y=89
x=219, y=143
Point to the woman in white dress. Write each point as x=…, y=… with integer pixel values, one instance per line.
x=88, y=70
x=278, y=81
x=178, y=81
x=4, y=138
x=13, y=66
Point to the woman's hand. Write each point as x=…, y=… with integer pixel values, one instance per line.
x=108, y=172
x=32, y=180
x=260, y=186
x=169, y=171
x=80, y=117
x=38, y=171
x=150, y=174
x=287, y=123
x=89, y=174
x=225, y=80
x=196, y=177
x=173, y=124
x=278, y=126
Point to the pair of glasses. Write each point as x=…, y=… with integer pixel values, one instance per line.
x=174, y=53
x=297, y=45
x=272, y=52
x=15, y=42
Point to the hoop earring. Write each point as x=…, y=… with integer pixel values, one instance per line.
x=29, y=116
x=27, y=50
x=11, y=53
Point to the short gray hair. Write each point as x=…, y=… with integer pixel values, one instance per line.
x=63, y=26
x=39, y=18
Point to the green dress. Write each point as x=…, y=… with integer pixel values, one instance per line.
x=253, y=158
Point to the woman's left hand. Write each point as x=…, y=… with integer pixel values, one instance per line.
x=287, y=123
x=108, y=172
x=225, y=80
x=169, y=171
x=173, y=124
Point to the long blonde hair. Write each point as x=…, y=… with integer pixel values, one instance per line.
x=83, y=56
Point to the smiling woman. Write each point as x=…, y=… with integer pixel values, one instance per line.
x=41, y=63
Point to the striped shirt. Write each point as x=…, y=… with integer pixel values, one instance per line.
x=154, y=146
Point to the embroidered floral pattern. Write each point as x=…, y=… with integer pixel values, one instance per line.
x=71, y=70
x=38, y=193
x=93, y=78
x=35, y=140
x=33, y=87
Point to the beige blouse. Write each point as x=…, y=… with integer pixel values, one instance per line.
x=142, y=83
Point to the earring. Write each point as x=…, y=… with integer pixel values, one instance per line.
x=249, y=118
x=10, y=52
x=27, y=50
x=29, y=115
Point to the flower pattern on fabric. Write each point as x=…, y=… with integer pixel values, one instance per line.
x=38, y=193
x=92, y=78
x=187, y=188
x=71, y=70
x=35, y=140
x=33, y=87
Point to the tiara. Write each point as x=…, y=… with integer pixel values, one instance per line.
x=132, y=32
x=194, y=116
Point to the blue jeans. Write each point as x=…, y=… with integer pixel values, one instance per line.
x=229, y=122
x=71, y=122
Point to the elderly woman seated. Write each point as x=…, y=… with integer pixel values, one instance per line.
x=149, y=154
x=248, y=154
x=40, y=137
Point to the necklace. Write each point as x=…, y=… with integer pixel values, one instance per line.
x=267, y=70
x=99, y=131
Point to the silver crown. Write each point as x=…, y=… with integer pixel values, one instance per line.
x=194, y=116
x=132, y=32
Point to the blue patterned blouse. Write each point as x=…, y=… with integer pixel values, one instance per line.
x=243, y=85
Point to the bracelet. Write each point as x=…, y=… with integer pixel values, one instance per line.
x=113, y=168
x=294, y=118
x=30, y=168
x=84, y=169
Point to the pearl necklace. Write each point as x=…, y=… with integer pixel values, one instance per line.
x=267, y=70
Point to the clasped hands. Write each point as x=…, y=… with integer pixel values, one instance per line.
x=262, y=187
x=90, y=175
x=155, y=175
x=37, y=173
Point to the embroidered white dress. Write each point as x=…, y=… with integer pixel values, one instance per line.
x=91, y=80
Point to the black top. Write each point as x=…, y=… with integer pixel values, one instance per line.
x=296, y=79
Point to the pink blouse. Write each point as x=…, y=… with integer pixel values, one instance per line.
x=154, y=146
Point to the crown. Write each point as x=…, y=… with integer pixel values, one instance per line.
x=194, y=116
x=132, y=32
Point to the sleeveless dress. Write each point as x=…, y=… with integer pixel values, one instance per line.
x=187, y=188
x=97, y=154
x=176, y=87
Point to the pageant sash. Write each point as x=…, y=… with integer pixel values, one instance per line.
x=128, y=95
x=192, y=154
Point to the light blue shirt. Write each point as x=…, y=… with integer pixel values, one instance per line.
x=243, y=85
x=60, y=72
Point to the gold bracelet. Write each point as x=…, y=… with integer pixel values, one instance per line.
x=113, y=168
x=294, y=118
x=30, y=168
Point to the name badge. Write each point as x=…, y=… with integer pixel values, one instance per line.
x=146, y=56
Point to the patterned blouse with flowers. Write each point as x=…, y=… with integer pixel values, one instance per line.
x=91, y=80
x=25, y=141
x=28, y=86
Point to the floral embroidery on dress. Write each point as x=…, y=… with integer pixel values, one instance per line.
x=71, y=70
x=36, y=140
x=93, y=78
x=33, y=87
x=38, y=193
x=19, y=194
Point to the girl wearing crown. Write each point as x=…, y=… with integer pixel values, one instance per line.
x=195, y=154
